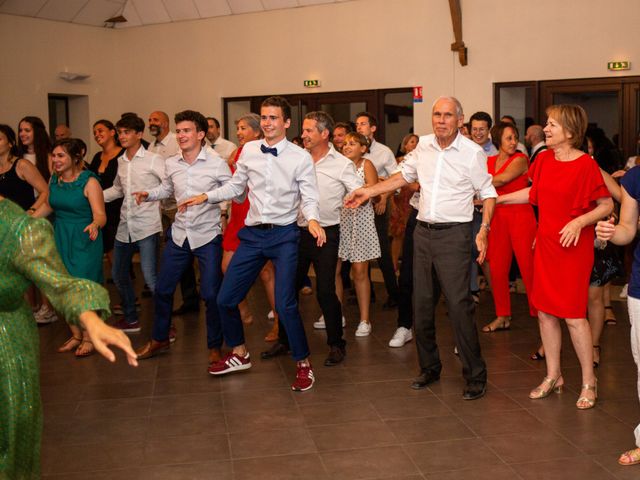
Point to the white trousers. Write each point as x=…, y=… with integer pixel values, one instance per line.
x=633, y=305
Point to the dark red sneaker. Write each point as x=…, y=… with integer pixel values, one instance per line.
x=304, y=379
x=127, y=327
x=232, y=362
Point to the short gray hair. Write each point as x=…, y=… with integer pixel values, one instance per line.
x=323, y=121
x=251, y=119
x=454, y=100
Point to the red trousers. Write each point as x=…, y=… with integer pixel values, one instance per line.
x=513, y=230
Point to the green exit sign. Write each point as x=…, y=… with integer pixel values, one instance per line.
x=615, y=66
x=312, y=83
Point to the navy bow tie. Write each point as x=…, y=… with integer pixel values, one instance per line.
x=272, y=150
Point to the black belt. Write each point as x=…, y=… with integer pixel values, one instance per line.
x=266, y=226
x=440, y=226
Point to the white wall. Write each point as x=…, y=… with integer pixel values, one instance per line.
x=348, y=46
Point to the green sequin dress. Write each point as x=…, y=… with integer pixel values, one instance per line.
x=28, y=255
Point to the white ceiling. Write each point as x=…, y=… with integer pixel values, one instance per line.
x=143, y=12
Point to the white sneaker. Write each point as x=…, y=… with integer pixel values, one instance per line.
x=403, y=335
x=45, y=315
x=320, y=325
x=364, y=329
x=624, y=291
x=271, y=315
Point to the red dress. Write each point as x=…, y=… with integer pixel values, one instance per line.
x=230, y=241
x=513, y=229
x=563, y=191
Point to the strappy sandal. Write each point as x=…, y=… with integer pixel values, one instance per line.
x=585, y=403
x=87, y=353
x=597, y=364
x=68, y=345
x=609, y=316
x=631, y=457
x=497, y=326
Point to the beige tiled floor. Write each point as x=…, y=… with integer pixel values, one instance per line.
x=168, y=419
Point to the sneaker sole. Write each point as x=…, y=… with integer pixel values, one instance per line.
x=401, y=345
x=303, y=389
x=232, y=369
x=319, y=327
x=131, y=330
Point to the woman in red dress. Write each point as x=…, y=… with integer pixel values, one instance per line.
x=571, y=196
x=513, y=227
x=247, y=130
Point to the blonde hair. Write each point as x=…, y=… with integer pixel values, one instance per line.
x=573, y=120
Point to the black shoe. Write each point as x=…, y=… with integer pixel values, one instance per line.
x=389, y=304
x=336, y=356
x=474, y=391
x=146, y=293
x=275, y=350
x=184, y=309
x=424, y=379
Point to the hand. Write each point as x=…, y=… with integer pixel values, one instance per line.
x=318, y=232
x=192, y=202
x=481, y=245
x=93, y=230
x=102, y=335
x=356, y=198
x=381, y=206
x=570, y=233
x=618, y=173
x=140, y=196
x=605, y=229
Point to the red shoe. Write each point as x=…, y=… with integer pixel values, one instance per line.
x=304, y=379
x=232, y=362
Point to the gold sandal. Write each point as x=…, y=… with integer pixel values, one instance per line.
x=585, y=403
x=67, y=346
x=632, y=456
x=541, y=392
x=86, y=353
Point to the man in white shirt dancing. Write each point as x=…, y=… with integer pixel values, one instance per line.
x=450, y=169
x=281, y=179
x=194, y=234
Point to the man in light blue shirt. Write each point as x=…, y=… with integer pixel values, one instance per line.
x=195, y=232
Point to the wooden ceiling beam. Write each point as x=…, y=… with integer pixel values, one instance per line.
x=456, y=20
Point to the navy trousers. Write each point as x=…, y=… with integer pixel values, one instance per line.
x=257, y=245
x=175, y=260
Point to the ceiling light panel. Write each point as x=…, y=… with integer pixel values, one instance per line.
x=245, y=6
x=213, y=8
x=151, y=11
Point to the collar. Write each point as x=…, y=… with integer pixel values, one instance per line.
x=202, y=156
x=538, y=146
x=164, y=141
x=280, y=146
x=455, y=144
x=140, y=153
x=487, y=146
x=332, y=152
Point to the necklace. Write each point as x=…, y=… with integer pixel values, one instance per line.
x=10, y=162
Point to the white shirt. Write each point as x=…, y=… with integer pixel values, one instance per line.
x=336, y=176
x=199, y=224
x=223, y=147
x=143, y=172
x=448, y=178
x=382, y=158
x=167, y=147
x=277, y=185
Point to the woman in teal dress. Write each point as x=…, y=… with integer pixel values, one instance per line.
x=76, y=198
x=28, y=255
